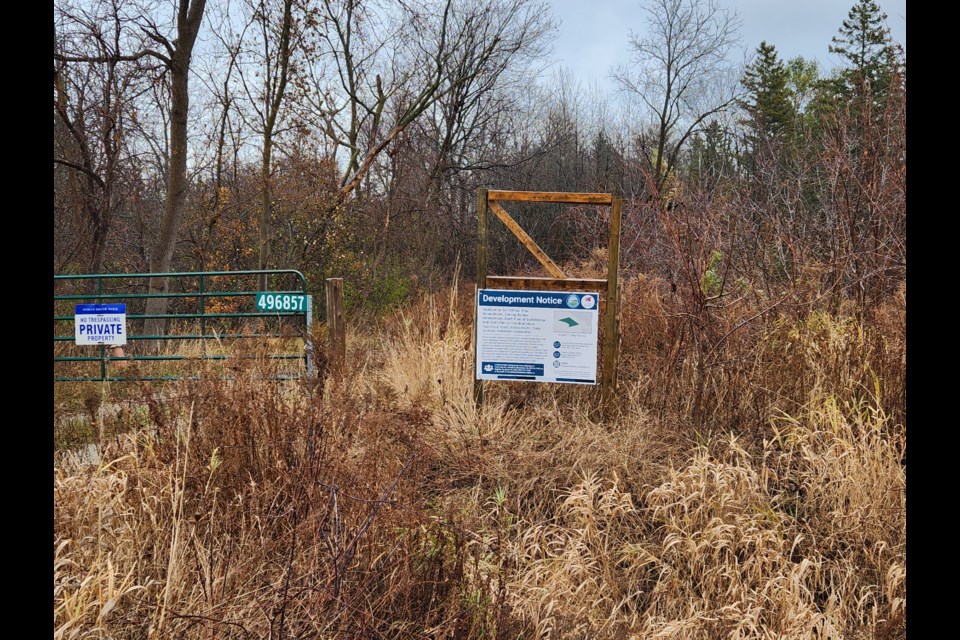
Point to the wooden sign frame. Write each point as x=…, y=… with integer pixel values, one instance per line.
x=489, y=200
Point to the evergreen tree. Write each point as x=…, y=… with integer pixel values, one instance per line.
x=768, y=102
x=608, y=164
x=713, y=155
x=872, y=57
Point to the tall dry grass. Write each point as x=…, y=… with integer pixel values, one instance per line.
x=385, y=505
x=731, y=544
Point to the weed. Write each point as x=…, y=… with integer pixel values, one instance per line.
x=386, y=505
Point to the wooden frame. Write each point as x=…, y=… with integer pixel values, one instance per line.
x=609, y=308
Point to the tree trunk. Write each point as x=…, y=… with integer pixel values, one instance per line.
x=188, y=25
x=266, y=213
x=275, y=101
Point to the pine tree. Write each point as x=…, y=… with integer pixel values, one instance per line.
x=713, y=155
x=872, y=57
x=769, y=103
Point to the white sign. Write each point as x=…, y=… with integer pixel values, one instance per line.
x=540, y=336
x=100, y=324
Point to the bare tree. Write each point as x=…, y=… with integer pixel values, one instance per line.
x=217, y=72
x=96, y=88
x=682, y=74
x=460, y=138
x=473, y=106
x=412, y=56
x=175, y=55
x=274, y=39
x=179, y=52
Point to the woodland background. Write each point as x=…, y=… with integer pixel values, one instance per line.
x=749, y=480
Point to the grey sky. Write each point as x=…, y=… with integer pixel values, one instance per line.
x=593, y=35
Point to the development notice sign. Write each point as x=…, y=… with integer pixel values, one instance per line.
x=100, y=324
x=543, y=336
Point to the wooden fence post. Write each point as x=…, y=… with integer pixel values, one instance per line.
x=611, y=334
x=336, y=326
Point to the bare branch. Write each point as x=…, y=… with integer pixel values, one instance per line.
x=143, y=53
x=81, y=169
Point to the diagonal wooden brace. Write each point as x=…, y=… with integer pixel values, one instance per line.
x=526, y=240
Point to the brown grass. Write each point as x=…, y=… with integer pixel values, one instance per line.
x=384, y=505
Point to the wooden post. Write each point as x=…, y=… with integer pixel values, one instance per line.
x=336, y=326
x=611, y=335
x=481, y=283
x=487, y=200
x=527, y=241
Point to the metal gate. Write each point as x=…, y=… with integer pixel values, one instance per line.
x=211, y=316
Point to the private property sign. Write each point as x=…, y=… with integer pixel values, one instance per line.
x=540, y=336
x=101, y=324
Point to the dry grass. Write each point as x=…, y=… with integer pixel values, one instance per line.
x=387, y=506
x=803, y=540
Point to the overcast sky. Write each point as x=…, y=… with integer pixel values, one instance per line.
x=593, y=34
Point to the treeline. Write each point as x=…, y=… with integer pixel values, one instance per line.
x=348, y=138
